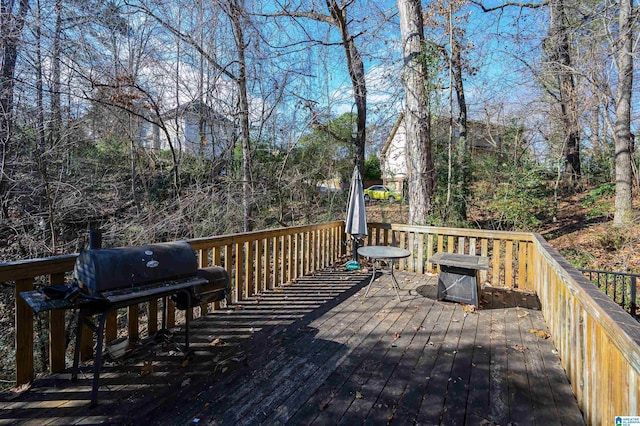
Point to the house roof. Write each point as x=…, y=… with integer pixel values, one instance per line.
x=196, y=108
x=396, y=126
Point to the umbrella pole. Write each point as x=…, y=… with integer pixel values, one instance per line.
x=354, y=245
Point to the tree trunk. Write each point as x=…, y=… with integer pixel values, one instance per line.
x=558, y=47
x=623, y=205
x=235, y=13
x=11, y=31
x=56, y=85
x=41, y=144
x=420, y=168
x=356, y=73
x=462, y=156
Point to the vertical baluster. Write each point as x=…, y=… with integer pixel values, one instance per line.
x=171, y=312
x=268, y=280
x=429, y=237
x=111, y=326
x=259, y=282
x=508, y=264
x=420, y=253
x=228, y=266
x=152, y=318
x=57, y=332
x=237, y=285
x=24, y=334
x=522, y=264
x=133, y=323
x=472, y=246
x=249, y=284
x=215, y=259
x=484, y=251
x=495, y=260
x=203, y=262
x=634, y=295
x=402, y=264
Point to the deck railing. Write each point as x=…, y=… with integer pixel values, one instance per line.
x=256, y=261
x=621, y=287
x=598, y=343
x=510, y=253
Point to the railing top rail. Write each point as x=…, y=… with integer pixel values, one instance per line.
x=29, y=268
x=620, y=327
x=596, y=271
x=462, y=232
x=221, y=240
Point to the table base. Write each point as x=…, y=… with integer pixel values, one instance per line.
x=394, y=282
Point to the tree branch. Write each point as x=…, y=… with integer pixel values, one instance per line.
x=509, y=4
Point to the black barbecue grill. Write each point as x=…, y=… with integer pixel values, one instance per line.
x=109, y=279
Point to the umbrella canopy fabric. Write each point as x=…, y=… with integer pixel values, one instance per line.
x=356, y=222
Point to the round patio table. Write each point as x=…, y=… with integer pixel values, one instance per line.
x=387, y=254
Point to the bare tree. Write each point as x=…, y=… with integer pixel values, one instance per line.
x=558, y=50
x=561, y=86
x=623, y=203
x=11, y=25
x=420, y=166
x=338, y=17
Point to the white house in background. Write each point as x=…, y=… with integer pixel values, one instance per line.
x=393, y=161
x=482, y=138
x=194, y=127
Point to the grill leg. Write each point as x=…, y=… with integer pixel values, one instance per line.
x=76, y=351
x=97, y=363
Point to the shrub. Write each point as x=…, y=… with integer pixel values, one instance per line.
x=520, y=202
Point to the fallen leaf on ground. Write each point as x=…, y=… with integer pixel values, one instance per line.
x=524, y=314
x=185, y=362
x=359, y=395
x=543, y=334
x=146, y=369
x=396, y=336
x=215, y=342
x=17, y=391
x=540, y=333
x=519, y=348
x=469, y=309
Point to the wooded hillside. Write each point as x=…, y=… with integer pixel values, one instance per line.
x=159, y=120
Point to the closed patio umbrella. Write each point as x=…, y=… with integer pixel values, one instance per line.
x=356, y=221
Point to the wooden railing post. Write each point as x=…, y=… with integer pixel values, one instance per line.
x=24, y=334
x=57, y=332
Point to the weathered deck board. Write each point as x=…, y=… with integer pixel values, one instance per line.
x=317, y=352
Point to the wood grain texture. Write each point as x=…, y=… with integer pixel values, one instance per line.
x=598, y=344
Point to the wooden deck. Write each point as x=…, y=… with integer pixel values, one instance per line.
x=317, y=352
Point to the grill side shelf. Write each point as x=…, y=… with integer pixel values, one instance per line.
x=144, y=293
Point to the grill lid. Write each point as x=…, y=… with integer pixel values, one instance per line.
x=127, y=267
